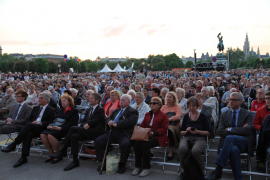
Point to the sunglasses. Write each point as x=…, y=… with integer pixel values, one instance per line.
x=234, y=100
x=154, y=103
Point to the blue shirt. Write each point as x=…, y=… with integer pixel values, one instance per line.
x=237, y=115
x=132, y=102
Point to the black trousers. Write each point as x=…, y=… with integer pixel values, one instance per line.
x=117, y=136
x=170, y=136
x=26, y=135
x=75, y=135
x=142, y=152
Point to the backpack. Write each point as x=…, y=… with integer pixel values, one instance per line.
x=191, y=167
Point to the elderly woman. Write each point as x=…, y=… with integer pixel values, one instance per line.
x=164, y=92
x=132, y=93
x=81, y=90
x=182, y=101
x=195, y=127
x=31, y=94
x=53, y=133
x=113, y=104
x=174, y=112
x=158, y=122
x=212, y=102
x=138, y=88
x=77, y=100
x=140, y=106
x=36, y=97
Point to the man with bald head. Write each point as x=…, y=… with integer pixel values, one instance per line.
x=122, y=122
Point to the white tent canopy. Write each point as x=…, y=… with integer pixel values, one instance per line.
x=119, y=69
x=106, y=69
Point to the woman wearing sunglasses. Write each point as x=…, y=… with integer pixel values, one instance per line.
x=158, y=122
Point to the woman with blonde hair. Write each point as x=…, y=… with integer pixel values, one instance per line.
x=113, y=104
x=174, y=112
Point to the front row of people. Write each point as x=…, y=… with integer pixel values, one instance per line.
x=234, y=129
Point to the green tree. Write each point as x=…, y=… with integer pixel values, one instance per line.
x=234, y=64
x=10, y=66
x=161, y=66
x=84, y=67
x=267, y=63
x=33, y=67
x=157, y=59
x=172, y=65
x=123, y=64
x=53, y=68
x=236, y=54
x=3, y=66
x=188, y=64
x=171, y=57
x=6, y=57
x=137, y=65
x=101, y=65
x=43, y=65
x=22, y=58
x=181, y=64
x=73, y=64
x=112, y=64
x=64, y=66
x=92, y=67
x=149, y=59
x=21, y=66
x=257, y=63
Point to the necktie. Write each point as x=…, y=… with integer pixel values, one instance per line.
x=91, y=111
x=117, y=118
x=16, y=113
x=38, y=113
x=234, y=119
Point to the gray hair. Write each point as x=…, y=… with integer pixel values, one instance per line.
x=91, y=91
x=128, y=97
x=112, y=88
x=46, y=95
x=181, y=90
x=165, y=90
x=211, y=88
x=141, y=94
x=73, y=90
x=233, y=89
x=48, y=92
x=19, y=84
x=238, y=95
x=206, y=88
x=131, y=91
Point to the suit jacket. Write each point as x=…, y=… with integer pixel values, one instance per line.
x=10, y=102
x=55, y=96
x=23, y=115
x=243, y=118
x=77, y=101
x=47, y=118
x=127, y=120
x=53, y=104
x=71, y=117
x=207, y=110
x=96, y=122
x=252, y=94
x=147, y=99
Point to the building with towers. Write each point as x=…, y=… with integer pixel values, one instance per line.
x=248, y=52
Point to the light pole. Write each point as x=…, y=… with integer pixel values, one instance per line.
x=59, y=66
x=261, y=61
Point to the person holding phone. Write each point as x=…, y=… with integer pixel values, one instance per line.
x=194, y=127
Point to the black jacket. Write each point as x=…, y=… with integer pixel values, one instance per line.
x=96, y=122
x=127, y=120
x=47, y=118
x=71, y=117
x=77, y=101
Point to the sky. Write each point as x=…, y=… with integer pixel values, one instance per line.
x=120, y=28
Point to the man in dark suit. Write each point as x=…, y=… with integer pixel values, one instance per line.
x=41, y=116
x=235, y=130
x=122, y=122
x=18, y=115
x=92, y=127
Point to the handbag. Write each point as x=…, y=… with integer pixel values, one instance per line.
x=140, y=134
x=172, y=123
x=58, y=122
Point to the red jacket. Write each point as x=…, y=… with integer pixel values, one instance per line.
x=259, y=117
x=256, y=105
x=159, y=127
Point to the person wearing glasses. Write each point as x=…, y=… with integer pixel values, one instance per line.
x=140, y=106
x=235, y=130
x=18, y=115
x=158, y=122
x=260, y=102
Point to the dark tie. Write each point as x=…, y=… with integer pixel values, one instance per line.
x=91, y=111
x=117, y=118
x=16, y=113
x=234, y=119
x=38, y=113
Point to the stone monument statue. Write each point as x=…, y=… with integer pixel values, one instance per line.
x=220, y=45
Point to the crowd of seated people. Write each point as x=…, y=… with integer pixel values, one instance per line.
x=176, y=106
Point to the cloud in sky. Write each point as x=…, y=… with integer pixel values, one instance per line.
x=151, y=31
x=114, y=31
x=144, y=26
x=16, y=43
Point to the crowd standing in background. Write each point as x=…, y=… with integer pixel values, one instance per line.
x=177, y=106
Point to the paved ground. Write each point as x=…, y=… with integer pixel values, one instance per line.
x=36, y=169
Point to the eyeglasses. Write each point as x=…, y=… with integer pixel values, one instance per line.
x=17, y=96
x=234, y=100
x=154, y=103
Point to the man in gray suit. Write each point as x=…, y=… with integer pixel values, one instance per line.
x=235, y=130
x=6, y=103
x=18, y=115
x=55, y=95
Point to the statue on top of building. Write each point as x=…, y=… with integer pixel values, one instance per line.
x=220, y=45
